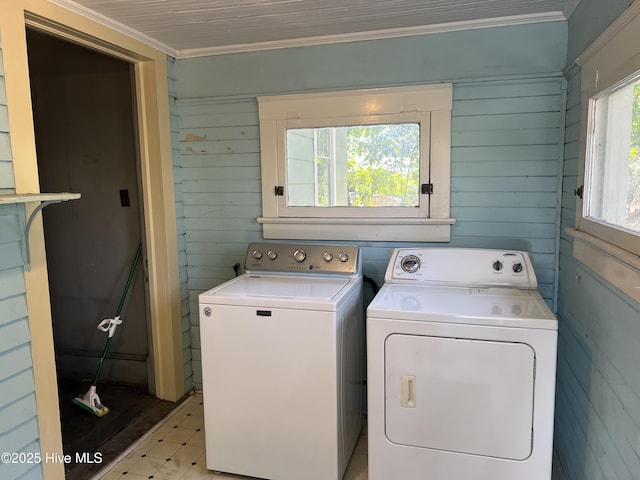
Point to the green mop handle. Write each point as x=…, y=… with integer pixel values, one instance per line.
x=129, y=280
x=132, y=272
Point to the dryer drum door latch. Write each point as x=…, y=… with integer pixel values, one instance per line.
x=408, y=391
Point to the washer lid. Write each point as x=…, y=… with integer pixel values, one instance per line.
x=318, y=293
x=505, y=307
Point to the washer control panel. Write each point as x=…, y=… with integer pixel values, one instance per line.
x=462, y=266
x=303, y=258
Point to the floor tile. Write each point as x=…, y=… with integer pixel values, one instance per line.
x=145, y=466
x=160, y=432
x=171, y=471
x=163, y=450
x=188, y=453
x=144, y=446
x=199, y=473
x=112, y=475
x=175, y=451
x=125, y=464
x=197, y=438
x=179, y=434
x=129, y=476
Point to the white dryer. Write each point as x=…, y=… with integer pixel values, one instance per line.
x=283, y=363
x=461, y=352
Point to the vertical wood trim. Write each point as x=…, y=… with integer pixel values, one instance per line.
x=440, y=164
x=36, y=280
x=161, y=234
x=559, y=183
x=270, y=175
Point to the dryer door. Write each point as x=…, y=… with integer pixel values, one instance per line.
x=460, y=395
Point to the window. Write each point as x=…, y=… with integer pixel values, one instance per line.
x=357, y=165
x=610, y=156
x=613, y=169
x=362, y=166
x=607, y=234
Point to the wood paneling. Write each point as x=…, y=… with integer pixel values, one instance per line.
x=597, y=431
x=505, y=154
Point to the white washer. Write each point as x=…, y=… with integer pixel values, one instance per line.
x=461, y=353
x=283, y=363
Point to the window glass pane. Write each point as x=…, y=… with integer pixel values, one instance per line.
x=356, y=166
x=614, y=168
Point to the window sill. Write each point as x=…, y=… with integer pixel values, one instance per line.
x=619, y=267
x=358, y=229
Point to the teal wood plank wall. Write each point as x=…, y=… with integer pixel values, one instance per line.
x=18, y=416
x=508, y=118
x=182, y=249
x=597, y=429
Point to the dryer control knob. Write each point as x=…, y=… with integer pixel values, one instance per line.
x=497, y=265
x=257, y=254
x=327, y=256
x=272, y=254
x=343, y=257
x=410, y=264
x=517, y=267
x=299, y=256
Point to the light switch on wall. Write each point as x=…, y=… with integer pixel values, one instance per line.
x=124, y=198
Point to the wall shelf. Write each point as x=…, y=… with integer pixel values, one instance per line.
x=38, y=197
x=45, y=199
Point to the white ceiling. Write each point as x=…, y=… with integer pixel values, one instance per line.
x=185, y=28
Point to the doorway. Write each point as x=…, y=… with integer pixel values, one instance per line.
x=86, y=141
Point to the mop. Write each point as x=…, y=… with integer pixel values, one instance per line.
x=90, y=401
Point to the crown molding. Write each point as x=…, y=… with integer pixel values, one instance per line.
x=112, y=24
x=375, y=34
x=310, y=41
x=621, y=22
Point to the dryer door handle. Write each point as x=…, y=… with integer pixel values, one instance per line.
x=408, y=391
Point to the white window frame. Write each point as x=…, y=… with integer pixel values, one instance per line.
x=429, y=105
x=613, y=253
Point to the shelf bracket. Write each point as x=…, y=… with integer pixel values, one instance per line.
x=45, y=200
x=25, y=244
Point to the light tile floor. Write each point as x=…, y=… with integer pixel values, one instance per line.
x=174, y=450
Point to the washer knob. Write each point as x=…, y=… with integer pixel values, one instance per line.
x=327, y=256
x=497, y=265
x=299, y=256
x=272, y=254
x=257, y=254
x=343, y=257
x=517, y=267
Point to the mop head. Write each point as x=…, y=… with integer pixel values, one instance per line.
x=90, y=402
